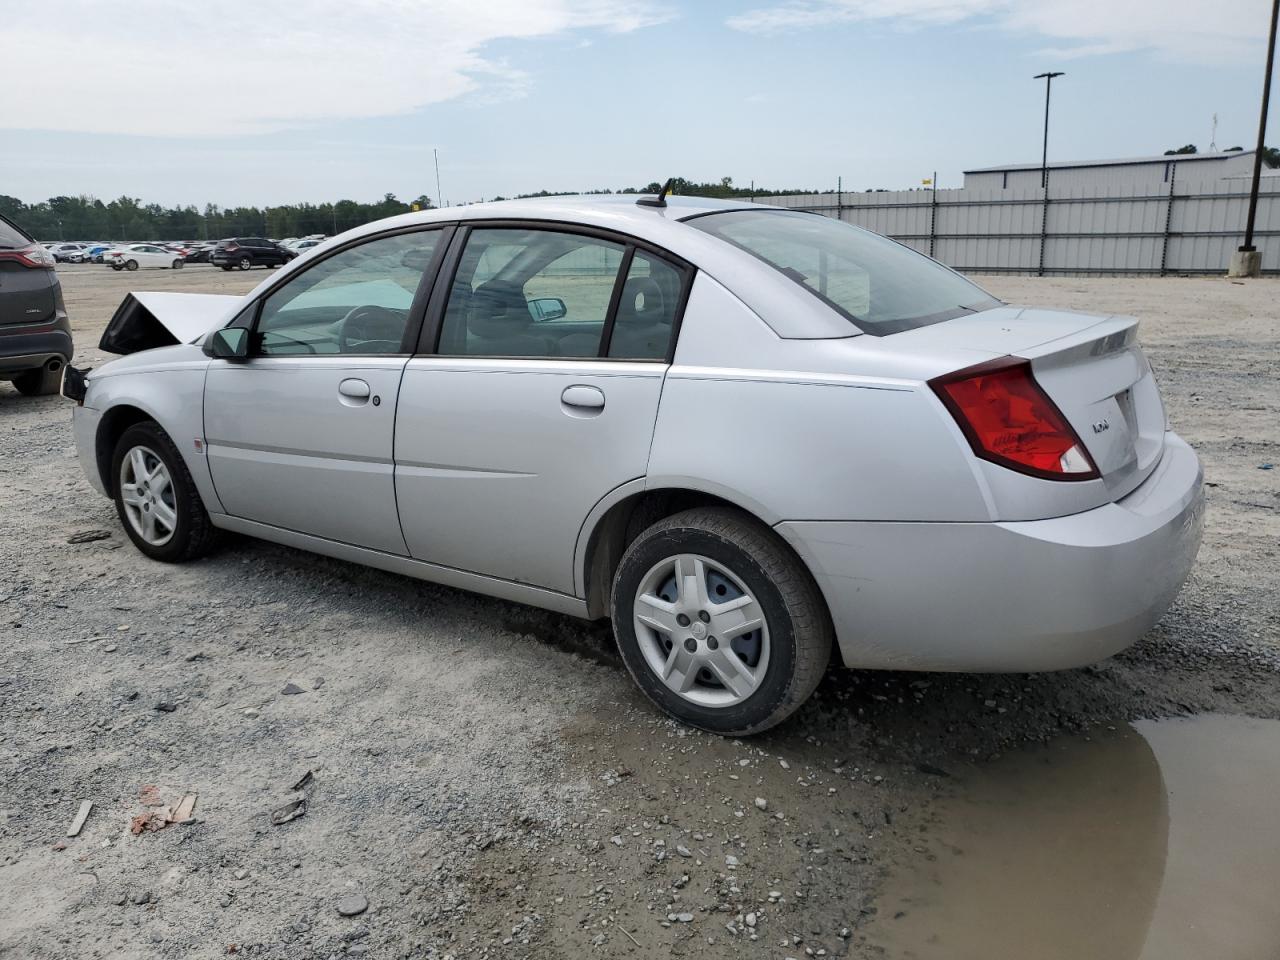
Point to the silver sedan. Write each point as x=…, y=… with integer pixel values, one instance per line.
x=752, y=437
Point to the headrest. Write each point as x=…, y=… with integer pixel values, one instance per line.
x=642, y=300
x=497, y=309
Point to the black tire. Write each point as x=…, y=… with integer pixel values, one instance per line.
x=131, y=264
x=245, y=263
x=117, y=266
x=226, y=267
x=800, y=632
x=39, y=382
x=194, y=535
x=177, y=264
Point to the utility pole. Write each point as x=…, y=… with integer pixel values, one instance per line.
x=439, y=199
x=1044, y=156
x=1044, y=164
x=1247, y=260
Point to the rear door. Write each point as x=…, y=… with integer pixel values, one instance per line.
x=541, y=398
x=300, y=436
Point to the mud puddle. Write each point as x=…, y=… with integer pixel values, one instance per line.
x=1159, y=841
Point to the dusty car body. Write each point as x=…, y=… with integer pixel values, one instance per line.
x=729, y=429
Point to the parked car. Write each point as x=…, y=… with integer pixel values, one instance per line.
x=135, y=255
x=93, y=254
x=35, y=334
x=67, y=252
x=198, y=253
x=304, y=245
x=242, y=253
x=750, y=436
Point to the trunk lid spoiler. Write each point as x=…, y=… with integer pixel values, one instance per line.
x=145, y=320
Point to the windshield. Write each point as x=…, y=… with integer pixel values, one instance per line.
x=880, y=285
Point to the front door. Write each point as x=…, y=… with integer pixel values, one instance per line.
x=300, y=435
x=541, y=399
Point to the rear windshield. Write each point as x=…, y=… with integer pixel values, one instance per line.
x=880, y=285
x=11, y=238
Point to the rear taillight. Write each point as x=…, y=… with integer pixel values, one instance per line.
x=1009, y=420
x=231, y=246
x=34, y=256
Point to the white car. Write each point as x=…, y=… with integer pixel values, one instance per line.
x=136, y=255
x=751, y=436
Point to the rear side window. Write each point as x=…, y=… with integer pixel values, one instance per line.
x=879, y=285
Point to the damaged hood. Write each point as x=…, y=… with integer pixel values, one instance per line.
x=145, y=320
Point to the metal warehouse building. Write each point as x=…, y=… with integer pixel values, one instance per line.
x=1191, y=167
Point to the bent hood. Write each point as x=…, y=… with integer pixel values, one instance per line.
x=145, y=320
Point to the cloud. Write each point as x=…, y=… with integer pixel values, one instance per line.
x=1182, y=30
x=158, y=68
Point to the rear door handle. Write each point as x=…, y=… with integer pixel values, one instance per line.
x=583, y=397
x=354, y=389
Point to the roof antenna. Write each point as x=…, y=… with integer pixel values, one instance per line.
x=661, y=199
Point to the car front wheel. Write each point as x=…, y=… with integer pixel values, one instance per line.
x=718, y=622
x=156, y=498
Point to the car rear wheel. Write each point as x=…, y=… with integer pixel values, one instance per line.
x=245, y=263
x=177, y=264
x=41, y=381
x=131, y=264
x=718, y=622
x=117, y=266
x=156, y=498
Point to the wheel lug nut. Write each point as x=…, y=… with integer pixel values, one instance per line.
x=704, y=616
x=682, y=619
x=713, y=643
x=691, y=644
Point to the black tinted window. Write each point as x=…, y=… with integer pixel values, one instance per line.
x=11, y=237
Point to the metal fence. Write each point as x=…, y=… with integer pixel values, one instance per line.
x=1160, y=229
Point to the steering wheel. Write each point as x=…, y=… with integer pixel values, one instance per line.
x=371, y=326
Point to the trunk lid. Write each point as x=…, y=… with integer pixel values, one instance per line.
x=1091, y=367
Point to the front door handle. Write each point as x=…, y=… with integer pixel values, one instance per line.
x=583, y=397
x=355, y=390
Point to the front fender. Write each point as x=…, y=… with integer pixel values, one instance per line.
x=171, y=394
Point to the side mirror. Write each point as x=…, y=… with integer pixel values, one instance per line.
x=229, y=343
x=547, y=308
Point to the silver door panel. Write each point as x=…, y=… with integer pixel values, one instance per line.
x=300, y=443
x=499, y=462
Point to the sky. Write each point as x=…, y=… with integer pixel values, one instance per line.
x=315, y=100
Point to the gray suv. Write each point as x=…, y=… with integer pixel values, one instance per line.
x=35, y=334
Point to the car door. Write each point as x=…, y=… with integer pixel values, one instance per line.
x=516, y=427
x=300, y=434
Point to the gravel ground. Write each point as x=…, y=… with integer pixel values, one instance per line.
x=484, y=779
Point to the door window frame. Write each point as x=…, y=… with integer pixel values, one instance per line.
x=433, y=327
x=417, y=308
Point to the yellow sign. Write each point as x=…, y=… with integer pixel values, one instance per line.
x=928, y=182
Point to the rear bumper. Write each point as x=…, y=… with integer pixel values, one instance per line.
x=1010, y=597
x=27, y=346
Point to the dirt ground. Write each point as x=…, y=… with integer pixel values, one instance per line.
x=485, y=781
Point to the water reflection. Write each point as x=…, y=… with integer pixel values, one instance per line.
x=1157, y=842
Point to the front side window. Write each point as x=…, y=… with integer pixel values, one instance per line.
x=354, y=302
x=879, y=285
x=530, y=293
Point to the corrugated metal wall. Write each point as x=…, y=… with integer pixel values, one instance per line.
x=1139, y=228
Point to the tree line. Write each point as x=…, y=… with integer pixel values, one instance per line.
x=129, y=218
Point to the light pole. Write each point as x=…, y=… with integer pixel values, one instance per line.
x=1044, y=156
x=1247, y=262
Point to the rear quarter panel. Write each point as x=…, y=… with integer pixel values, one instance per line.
x=810, y=429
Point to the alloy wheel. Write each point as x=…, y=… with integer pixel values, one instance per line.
x=146, y=490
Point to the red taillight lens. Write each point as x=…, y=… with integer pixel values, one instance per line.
x=1009, y=420
x=32, y=255
x=231, y=246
